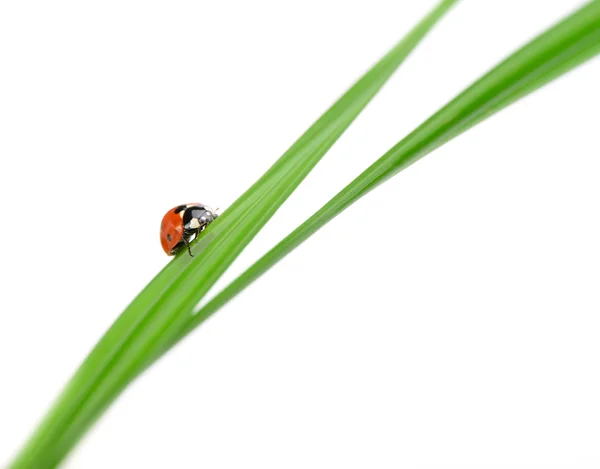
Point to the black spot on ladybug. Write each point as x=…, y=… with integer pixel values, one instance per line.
x=179, y=209
x=169, y=237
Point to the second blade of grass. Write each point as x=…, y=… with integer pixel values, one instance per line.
x=561, y=48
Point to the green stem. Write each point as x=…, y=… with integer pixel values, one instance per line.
x=161, y=309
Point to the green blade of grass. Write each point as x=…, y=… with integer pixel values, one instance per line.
x=161, y=309
x=553, y=53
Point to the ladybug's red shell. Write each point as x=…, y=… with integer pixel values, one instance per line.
x=171, y=230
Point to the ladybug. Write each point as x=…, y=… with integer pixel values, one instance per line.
x=182, y=224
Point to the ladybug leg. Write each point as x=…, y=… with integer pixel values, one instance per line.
x=187, y=243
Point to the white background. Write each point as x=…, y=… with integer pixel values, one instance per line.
x=448, y=319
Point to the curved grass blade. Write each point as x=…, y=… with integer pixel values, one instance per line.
x=553, y=53
x=160, y=310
